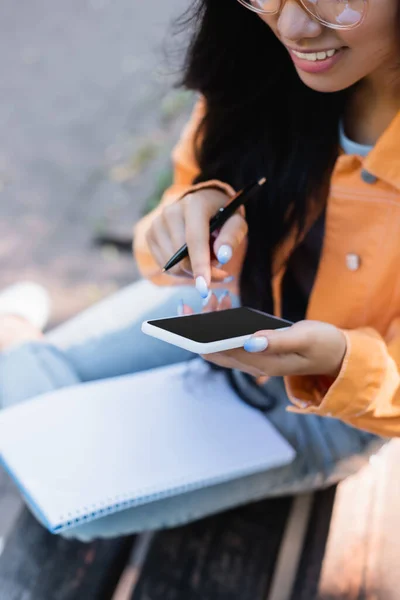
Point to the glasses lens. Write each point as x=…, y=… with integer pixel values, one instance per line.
x=262, y=6
x=341, y=14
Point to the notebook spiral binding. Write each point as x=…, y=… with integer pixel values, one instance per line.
x=98, y=510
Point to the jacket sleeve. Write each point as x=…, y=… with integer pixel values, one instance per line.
x=366, y=393
x=185, y=169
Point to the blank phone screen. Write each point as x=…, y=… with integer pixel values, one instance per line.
x=221, y=325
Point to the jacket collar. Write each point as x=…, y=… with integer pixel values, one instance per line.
x=384, y=159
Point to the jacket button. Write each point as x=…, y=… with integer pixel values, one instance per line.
x=353, y=261
x=368, y=177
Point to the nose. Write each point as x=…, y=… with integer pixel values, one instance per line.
x=295, y=24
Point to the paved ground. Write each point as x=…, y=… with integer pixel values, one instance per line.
x=87, y=121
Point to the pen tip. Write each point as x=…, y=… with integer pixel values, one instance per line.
x=262, y=181
x=164, y=270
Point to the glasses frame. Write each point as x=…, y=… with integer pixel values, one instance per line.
x=260, y=11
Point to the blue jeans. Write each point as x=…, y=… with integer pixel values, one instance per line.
x=107, y=341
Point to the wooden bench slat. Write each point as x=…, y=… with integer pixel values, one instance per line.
x=37, y=565
x=230, y=556
x=308, y=574
x=362, y=556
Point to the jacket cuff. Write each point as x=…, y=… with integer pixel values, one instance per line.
x=363, y=379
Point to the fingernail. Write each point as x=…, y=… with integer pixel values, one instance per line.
x=207, y=299
x=180, y=308
x=256, y=344
x=228, y=279
x=224, y=254
x=201, y=286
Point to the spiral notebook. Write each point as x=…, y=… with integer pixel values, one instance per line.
x=83, y=452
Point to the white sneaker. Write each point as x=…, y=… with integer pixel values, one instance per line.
x=27, y=300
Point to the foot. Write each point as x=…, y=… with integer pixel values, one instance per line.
x=24, y=312
x=16, y=330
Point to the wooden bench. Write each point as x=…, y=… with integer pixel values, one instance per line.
x=341, y=543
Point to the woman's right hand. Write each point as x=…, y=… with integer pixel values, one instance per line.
x=187, y=221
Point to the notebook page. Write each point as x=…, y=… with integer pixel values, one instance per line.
x=86, y=451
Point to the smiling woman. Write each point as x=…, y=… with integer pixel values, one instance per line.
x=357, y=23
x=305, y=93
x=324, y=80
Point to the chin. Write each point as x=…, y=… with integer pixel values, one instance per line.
x=326, y=84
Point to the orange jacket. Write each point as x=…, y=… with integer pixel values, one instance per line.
x=357, y=287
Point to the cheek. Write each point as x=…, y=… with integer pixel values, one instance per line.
x=379, y=30
x=374, y=43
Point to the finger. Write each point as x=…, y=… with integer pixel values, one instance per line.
x=272, y=365
x=225, y=301
x=174, y=225
x=197, y=219
x=230, y=237
x=161, y=237
x=229, y=362
x=184, y=309
x=162, y=245
x=159, y=243
x=159, y=255
x=181, y=275
x=220, y=358
x=219, y=275
x=281, y=365
x=294, y=339
x=176, y=271
x=210, y=304
x=183, y=268
x=156, y=251
x=187, y=271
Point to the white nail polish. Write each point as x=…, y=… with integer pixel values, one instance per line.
x=256, y=344
x=224, y=254
x=201, y=286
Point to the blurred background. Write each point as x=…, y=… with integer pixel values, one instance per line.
x=88, y=116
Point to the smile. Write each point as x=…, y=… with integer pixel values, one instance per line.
x=316, y=62
x=315, y=56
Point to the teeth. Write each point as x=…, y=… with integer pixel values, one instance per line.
x=314, y=56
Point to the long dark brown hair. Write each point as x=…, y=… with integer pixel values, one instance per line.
x=260, y=120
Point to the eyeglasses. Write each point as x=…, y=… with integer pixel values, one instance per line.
x=335, y=14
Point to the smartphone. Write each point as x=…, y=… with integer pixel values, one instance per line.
x=206, y=333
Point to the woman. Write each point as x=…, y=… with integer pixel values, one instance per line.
x=305, y=93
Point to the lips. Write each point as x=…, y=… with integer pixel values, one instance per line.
x=318, y=61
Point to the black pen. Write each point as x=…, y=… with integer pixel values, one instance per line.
x=220, y=218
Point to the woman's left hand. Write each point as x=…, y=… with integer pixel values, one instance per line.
x=305, y=348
